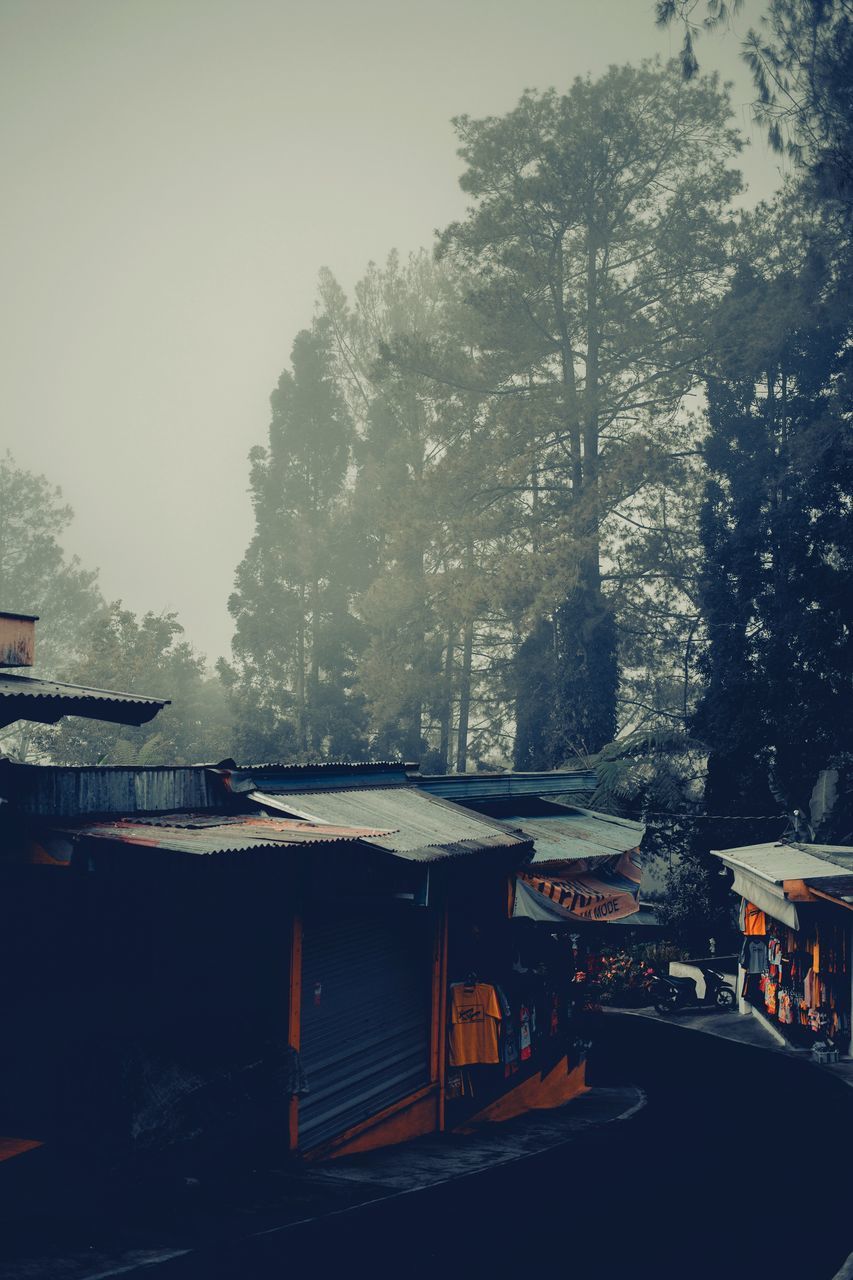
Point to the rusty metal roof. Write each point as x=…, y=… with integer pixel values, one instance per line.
x=204, y=834
x=422, y=828
x=46, y=701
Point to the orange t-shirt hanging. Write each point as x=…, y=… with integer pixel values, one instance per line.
x=755, y=923
x=474, y=1021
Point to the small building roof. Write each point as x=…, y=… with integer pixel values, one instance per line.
x=824, y=867
x=781, y=861
x=206, y=834
x=115, y=791
x=421, y=827
x=569, y=834
x=46, y=701
x=324, y=776
x=465, y=787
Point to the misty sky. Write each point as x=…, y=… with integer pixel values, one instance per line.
x=175, y=173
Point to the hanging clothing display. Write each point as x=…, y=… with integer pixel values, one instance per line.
x=525, y=1037
x=508, y=1038
x=753, y=955
x=752, y=919
x=800, y=977
x=475, y=1018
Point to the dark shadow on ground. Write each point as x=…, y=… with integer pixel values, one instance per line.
x=737, y=1168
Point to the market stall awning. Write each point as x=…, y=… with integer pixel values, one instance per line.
x=769, y=875
x=768, y=898
x=598, y=895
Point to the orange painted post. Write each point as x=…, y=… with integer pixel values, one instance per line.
x=442, y=1016
x=435, y=1039
x=294, y=1018
x=510, y=894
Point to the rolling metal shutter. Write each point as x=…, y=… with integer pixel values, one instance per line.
x=365, y=1017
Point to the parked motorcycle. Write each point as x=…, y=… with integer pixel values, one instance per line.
x=669, y=994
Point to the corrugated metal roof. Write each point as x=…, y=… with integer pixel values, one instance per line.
x=296, y=828
x=493, y=786
x=840, y=886
x=64, y=791
x=46, y=701
x=577, y=833
x=190, y=833
x=779, y=862
x=425, y=829
x=323, y=776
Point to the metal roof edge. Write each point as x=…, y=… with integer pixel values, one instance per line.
x=724, y=856
x=62, y=689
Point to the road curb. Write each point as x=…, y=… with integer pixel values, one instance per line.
x=776, y=1042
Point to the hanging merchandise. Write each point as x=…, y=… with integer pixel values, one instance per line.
x=799, y=977
x=475, y=1018
x=509, y=1037
x=752, y=919
x=525, y=1038
x=753, y=955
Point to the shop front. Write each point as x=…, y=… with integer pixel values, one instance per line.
x=515, y=1031
x=796, y=921
x=798, y=978
x=366, y=1016
x=522, y=988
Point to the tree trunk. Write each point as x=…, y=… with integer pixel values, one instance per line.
x=447, y=705
x=300, y=676
x=465, y=677
x=465, y=696
x=314, y=672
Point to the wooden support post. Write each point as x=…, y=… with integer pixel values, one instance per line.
x=294, y=1017
x=442, y=1013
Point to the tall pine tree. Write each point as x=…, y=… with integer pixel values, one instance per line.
x=778, y=537
x=596, y=233
x=296, y=637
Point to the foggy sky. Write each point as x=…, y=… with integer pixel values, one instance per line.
x=175, y=173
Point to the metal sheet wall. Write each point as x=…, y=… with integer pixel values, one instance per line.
x=365, y=1017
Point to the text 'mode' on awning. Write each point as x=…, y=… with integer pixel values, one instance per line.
x=595, y=894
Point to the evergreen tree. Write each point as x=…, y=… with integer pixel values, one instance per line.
x=596, y=233
x=801, y=60
x=36, y=576
x=296, y=637
x=423, y=604
x=145, y=655
x=777, y=586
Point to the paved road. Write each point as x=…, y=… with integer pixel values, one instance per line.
x=739, y=1167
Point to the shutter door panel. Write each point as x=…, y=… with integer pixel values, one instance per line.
x=366, y=1044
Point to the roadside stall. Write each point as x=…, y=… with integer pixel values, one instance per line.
x=521, y=991
x=796, y=920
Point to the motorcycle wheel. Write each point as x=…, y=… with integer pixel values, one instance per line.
x=725, y=998
x=665, y=1006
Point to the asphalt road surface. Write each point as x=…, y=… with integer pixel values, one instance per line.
x=739, y=1167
